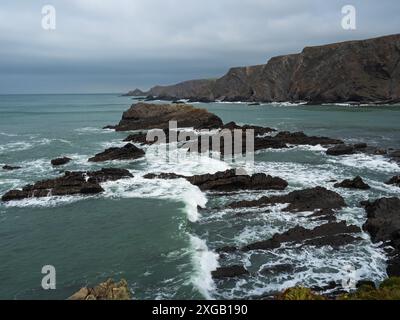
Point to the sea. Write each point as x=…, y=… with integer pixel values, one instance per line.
x=162, y=236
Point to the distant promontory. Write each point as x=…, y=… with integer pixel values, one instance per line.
x=366, y=71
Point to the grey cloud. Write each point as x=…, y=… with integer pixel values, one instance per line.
x=115, y=45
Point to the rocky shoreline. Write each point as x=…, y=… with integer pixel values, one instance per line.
x=383, y=223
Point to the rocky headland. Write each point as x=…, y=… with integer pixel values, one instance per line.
x=364, y=71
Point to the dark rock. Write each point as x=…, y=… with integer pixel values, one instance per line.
x=228, y=181
x=324, y=214
x=257, y=129
x=226, y=249
x=356, y=183
x=127, y=152
x=340, y=150
x=60, y=161
x=164, y=176
x=383, y=224
x=254, y=104
x=395, y=180
x=395, y=155
x=333, y=234
x=393, y=267
x=380, y=152
x=72, y=183
x=109, y=128
x=277, y=269
x=364, y=283
x=229, y=272
x=140, y=138
x=135, y=93
x=359, y=146
x=10, y=168
x=300, y=200
x=153, y=116
x=108, y=174
x=300, y=138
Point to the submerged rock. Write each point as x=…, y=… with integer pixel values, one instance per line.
x=60, y=161
x=143, y=116
x=229, y=272
x=395, y=180
x=277, y=269
x=340, y=150
x=10, y=168
x=300, y=200
x=108, y=290
x=228, y=181
x=127, y=152
x=72, y=183
x=332, y=234
x=356, y=183
x=383, y=224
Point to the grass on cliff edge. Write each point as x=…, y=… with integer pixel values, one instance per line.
x=388, y=290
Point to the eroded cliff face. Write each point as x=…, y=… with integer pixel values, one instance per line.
x=360, y=71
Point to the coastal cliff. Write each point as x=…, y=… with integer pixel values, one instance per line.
x=366, y=71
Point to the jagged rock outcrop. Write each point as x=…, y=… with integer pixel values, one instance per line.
x=229, y=272
x=135, y=93
x=60, y=161
x=300, y=138
x=356, y=183
x=72, y=183
x=360, y=71
x=108, y=290
x=333, y=234
x=143, y=116
x=228, y=181
x=299, y=200
x=340, y=150
x=127, y=152
x=383, y=224
x=10, y=168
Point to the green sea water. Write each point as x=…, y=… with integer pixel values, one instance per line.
x=151, y=232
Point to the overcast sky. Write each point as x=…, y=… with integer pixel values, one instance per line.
x=117, y=45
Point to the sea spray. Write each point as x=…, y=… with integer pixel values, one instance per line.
x=204, y=262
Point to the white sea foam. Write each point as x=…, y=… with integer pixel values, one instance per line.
x=15, y=146
x=204, y=262
x=6, y=134
x=313, y=267
x=26, y=145
x=305, y=175
x=178, y=190
x=368, y=162
x=51, y=201
x=181, y=162
x=91, y=130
